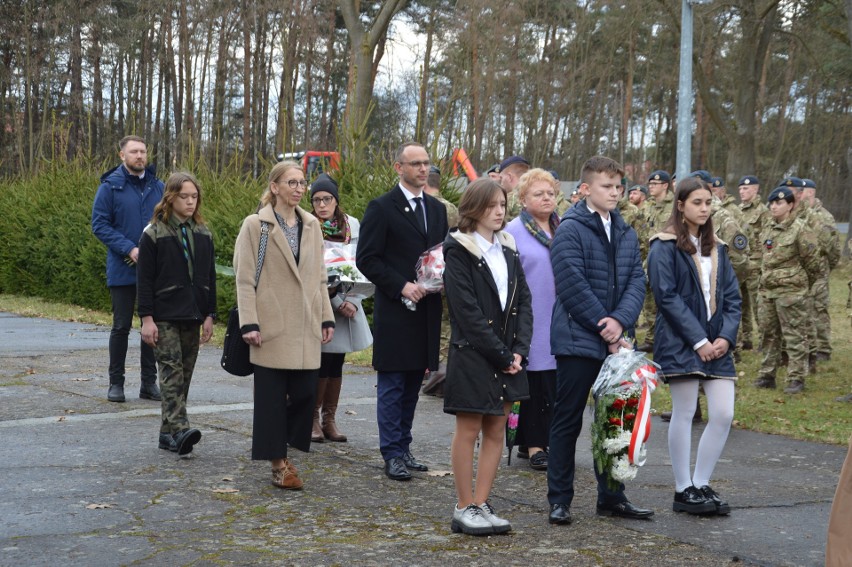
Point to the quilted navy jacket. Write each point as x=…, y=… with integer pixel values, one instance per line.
x=594, y=279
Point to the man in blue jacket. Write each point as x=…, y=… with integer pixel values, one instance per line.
x=600, y=288
x=124, y=204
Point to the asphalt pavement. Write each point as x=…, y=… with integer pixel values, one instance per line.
x=82, y=482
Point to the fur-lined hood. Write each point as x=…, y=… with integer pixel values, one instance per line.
x=470, y=244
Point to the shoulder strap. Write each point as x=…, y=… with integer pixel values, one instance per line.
x=261, y=250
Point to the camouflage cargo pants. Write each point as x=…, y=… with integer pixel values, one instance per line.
x=748, y=291
x=821, y=333
x=784, y=319
x=176, y=353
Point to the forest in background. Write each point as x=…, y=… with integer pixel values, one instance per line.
x=228, y=83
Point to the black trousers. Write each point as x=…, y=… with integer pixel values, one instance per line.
x=283, y=411
x=574, y=379
x=123, y=307
x=537, y=412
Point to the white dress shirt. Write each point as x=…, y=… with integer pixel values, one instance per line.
x=409, y=196
x=492, y=252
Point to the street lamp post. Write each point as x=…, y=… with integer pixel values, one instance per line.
x=684, y=91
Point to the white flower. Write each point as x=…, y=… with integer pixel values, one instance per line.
x=622, y=470
x=615, y=445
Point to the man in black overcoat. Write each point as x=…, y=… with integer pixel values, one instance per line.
x=397, y=228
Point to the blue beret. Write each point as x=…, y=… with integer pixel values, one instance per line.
x=749, y=180
x=553, y=173
x=511, y=161
x=639, y=188
x=792, y=182
x=809, y=183
x=659, y=175
x=718, y=182
x=781, y=193
x=703, y=175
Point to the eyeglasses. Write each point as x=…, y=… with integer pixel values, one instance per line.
x=417, y=164
x=324, y=200
x=293, y=183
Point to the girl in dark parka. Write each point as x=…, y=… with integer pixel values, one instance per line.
x=699, y=307
x=491, y=319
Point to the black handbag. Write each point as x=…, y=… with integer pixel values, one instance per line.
x=235, y=351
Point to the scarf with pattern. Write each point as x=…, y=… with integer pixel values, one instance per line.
x=532, y=226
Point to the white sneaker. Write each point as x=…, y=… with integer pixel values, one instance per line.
x=500, y=525
x=470, y=521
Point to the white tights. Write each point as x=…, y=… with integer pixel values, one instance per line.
x=720, y=407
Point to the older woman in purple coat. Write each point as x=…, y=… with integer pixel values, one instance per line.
x=533, y=231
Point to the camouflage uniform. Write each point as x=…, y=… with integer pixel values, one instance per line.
x=728, y=229
x=755, y=217
x=790, y=264
x=176, y=353
x=452, y=211
x=630, y=213
x=829, y=243
x=657, y=215
x=513, y=204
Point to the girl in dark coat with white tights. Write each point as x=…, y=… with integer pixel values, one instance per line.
x=698, y=315
x=491, y=318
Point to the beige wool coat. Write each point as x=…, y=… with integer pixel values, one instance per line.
x=291, y=303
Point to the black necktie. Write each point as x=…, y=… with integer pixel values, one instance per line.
x=419, y=213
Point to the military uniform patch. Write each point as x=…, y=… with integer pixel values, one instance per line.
x=740, y=242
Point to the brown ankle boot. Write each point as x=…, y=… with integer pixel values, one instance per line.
x=316, y=432
x=329, y=408
x=287, y=477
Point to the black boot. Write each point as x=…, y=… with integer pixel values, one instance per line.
x=150, y=391
x=115, y=393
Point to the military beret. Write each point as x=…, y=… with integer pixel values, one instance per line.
x=639, y=188
x=782, y=193
x=792, y=182
x=703, y=175
x=659, y=175
x=809, y=183
x=749, y=180
x=435, y=169
x=553, y=173
x=511, y=161
x=327, y=184
x=493, y=169
x=718, y=182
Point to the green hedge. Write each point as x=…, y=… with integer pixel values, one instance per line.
x=47, y=248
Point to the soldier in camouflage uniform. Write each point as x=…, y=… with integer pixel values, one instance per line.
x=176, y=292
x=848, y=397
x=755, y=216
x=511, y=169
x=658, y=211
x=789, y=266
x=730, y=228
x=629, y=212
x=829, y=241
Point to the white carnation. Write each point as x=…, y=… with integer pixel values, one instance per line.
x=622, y=470
x=615, y=445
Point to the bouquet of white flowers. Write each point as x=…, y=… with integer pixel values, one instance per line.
x=343, y=274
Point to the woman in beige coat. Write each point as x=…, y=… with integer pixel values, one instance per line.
x=284, y=319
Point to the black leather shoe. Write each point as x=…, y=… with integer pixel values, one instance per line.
x=559, y=514
x=693, y=501
x=765, y=383
x=150, y=391
x=794, y=387
x=722, y=507
x=538, y=461
x=523, y=452
x=625, y=510
x=411, y=463
x=115, y=393
x=395, y=469
x=186, y=439
x=167, y=442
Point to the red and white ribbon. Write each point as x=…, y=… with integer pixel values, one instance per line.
x=647, y=376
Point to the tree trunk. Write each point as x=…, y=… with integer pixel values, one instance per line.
x=75, y=134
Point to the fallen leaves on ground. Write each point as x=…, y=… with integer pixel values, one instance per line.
x=225, y=490
x=98, y=506
x=439, y=473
